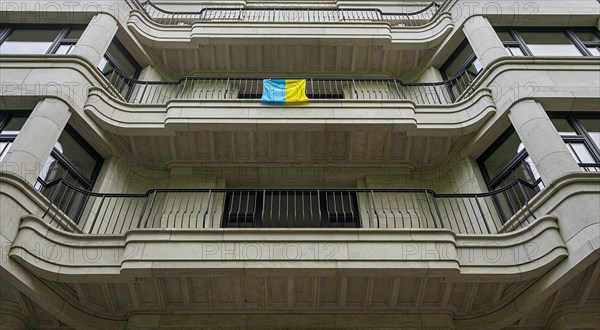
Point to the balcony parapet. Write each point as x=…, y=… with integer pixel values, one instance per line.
x=410, y=16
x=116, y=214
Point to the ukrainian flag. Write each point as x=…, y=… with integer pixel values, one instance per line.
x=279, y=91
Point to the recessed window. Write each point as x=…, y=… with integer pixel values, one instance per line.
x=581, y=134
x=45, y=40
x=118, y=66
x=549, y=44
x=550, y=41
x=71, y=159
x=460, y=69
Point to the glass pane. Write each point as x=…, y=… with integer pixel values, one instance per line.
x=74, y=34
x=28, y=41
x=505, y=36
x=64, y=49
x=587, y=36
x=594, y=50
x=460, y=60
x=563, y=127
x=550, y=44
x=76, y=154
x=503, y=155
x=581, y=153
x=4, y=146
x=122, y=60
x=515, y=50
x=475, y=67
x=52, y=170
x=592, y=126
x=14, y=125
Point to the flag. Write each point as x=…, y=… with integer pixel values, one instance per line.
x=279, y=91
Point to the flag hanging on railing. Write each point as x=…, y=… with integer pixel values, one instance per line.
x=279, y=91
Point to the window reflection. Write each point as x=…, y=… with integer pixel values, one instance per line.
x=550, y=44
x=29, y=41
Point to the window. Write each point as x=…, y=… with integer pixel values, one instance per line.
x=71, y=159
x=460, y=69
x=118, y=65
x=581, y=134
x=39, y=40
x=503, y=163
x=550, y=41
x=291, y=209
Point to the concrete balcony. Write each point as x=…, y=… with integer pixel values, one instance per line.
x=115, y=279
x=344, y=41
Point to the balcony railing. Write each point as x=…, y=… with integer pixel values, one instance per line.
x=103, y=213
x=204, y=88
x=410, y=16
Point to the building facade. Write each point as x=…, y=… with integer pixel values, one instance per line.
x=444, y=173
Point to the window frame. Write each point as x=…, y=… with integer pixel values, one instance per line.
x=463, y=69
x=569, y=32
x=59, y=40
x=493, y=182
x=5, y=116
x=581, y=137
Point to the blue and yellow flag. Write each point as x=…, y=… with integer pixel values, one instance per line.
x=279, y=91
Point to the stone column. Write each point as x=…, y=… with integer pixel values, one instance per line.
x=96, y=38
x=542, y=141
x=484, y=40
x=33, y=145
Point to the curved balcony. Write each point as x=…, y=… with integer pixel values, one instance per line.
x=116, y=214
x=410, y=16
x=232, y=88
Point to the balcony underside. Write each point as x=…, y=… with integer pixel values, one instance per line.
x=472, y=279
x=368, y=49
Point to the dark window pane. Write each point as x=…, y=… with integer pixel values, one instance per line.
x=14, y=125
x=122, y=60
x=587, y=37
x=76, y=154
x=29, y=41
x=453, y=68
x=74, y=34
x=505, y=36
x=592, y=126
x=563, y=127
x=506, y=152
x=550, y=44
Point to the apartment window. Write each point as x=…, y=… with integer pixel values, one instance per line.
x=460, y=69
x=581, y=134
x=507, y=160
x=503, y=163
x=71, y=159
x=550, y=42
x=291, y=209
x=119, y=67
x=39, y=39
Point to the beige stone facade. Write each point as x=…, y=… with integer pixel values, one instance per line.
x=443, y=175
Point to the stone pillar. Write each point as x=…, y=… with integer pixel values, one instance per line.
x=542, y=141
x=96, y=38
x=33, y=145
x=484, y=40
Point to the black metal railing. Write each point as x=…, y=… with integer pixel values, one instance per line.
x=104, y=213
x=206, y=88
x=414, y=15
